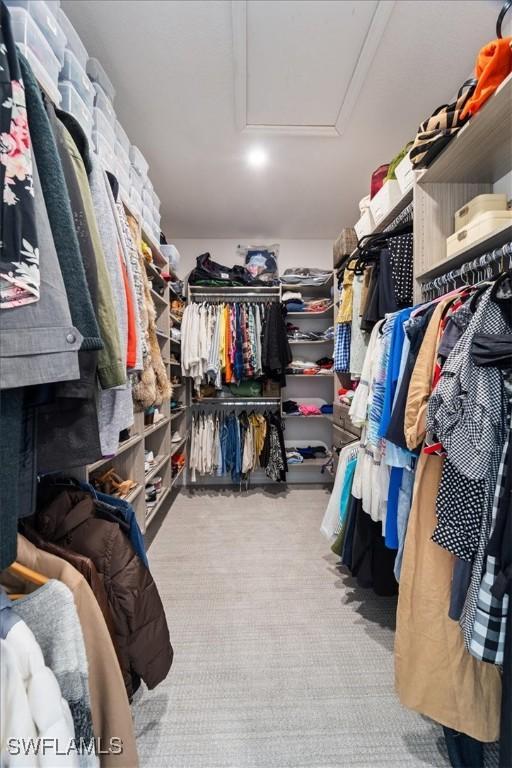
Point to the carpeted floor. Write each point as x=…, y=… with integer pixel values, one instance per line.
x=279, y=660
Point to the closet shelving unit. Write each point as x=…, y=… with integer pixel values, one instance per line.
x=128, y=462
x=471, y=164
x=319, y=429
x=301, y=430
x=478, y=157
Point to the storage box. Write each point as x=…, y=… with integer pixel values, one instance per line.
x=135, y=201
x=479, y=229
x=404, y=173
x=102, y=101
x=147, y=198
x=147, y=218
x=123, y=177
x=75, y=73
x=72, y=103
x=98, y=75
x=122, y=138
x=156, y=230
x=43, y=14
x=385, y=200
x=365, y=225
x=156, y=201
x=105, y=152
x=53, y=5
x=37, y=50
x=476, y=206
x=136, y=181
x=123, y=161
x=73, y=43
x=103, y=126
x=364, y=205
x=344, y=244
x=138, y=161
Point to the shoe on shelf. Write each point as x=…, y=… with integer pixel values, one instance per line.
x=112, y=484
x=177, y=437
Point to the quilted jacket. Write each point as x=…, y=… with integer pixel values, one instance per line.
x=69, y=517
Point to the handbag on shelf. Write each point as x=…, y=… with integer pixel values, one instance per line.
x=377, y=181
x=439, y=129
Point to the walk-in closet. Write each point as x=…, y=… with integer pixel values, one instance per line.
x=255, y=383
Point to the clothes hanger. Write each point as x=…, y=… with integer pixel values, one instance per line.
x=502, y=14
x=26, y=574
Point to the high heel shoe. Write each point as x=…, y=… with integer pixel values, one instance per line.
x=112, y=484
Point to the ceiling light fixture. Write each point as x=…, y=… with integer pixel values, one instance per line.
x=257, y=157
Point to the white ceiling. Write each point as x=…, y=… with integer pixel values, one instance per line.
x=183, y=69
x=304, y=81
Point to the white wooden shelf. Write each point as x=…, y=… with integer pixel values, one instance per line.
x=160, y=300
x=176, y=446
x=133, y=494
x=124, y=446
x=310, y=315
x=177, y=475
x=160, y=500
x=159, y=424
x=310, y=463
x=484, y=245
x=481, y=152
x=157, y=467
x=310, y=375
x=306, y=286
x=153, y=271
x=327, y=416
x=155, y=248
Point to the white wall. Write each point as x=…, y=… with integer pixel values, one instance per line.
x=292, y=253
x=504, y=185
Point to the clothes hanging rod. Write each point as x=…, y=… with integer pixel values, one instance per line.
x=235, y=288
x=480, y=265
x=225, y=401
x=401, y=218
x=235, y=296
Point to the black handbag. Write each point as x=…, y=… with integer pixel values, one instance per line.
x=208, y=272
x=440, y=128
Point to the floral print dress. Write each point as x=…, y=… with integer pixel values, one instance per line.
x=19, y=252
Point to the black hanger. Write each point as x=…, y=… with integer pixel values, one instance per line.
x=506, y=5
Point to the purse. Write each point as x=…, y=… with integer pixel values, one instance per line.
x=439, y=129
x=208, y=272
x=377, y=181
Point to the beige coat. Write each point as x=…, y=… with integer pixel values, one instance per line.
x=111, y=714
x=434, y=673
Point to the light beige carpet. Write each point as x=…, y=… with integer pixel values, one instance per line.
x=279, y=660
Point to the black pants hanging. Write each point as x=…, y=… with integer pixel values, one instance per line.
x=463, y=751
